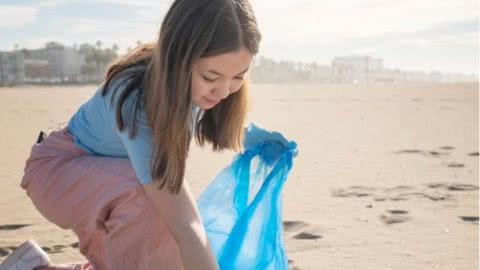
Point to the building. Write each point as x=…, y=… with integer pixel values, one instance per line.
x=320, y=73
x=355, y=69
x=390, y=75
x=459, y=77
x=38, y=71
x=416, y=76
x=12, y=69
x=59, y=63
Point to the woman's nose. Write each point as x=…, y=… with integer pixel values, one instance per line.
x=223, y=90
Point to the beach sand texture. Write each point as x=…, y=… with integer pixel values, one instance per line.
x=386, y=176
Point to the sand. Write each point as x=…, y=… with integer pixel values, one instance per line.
x=386, y=176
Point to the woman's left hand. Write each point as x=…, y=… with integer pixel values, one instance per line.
x=255, y=135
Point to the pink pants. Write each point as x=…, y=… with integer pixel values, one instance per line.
x=102, y=202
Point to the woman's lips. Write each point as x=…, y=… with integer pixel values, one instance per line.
x=214, y=101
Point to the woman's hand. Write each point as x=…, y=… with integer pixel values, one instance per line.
x=255, y=135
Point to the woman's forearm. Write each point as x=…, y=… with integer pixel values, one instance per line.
x=195, y=249
x=180, y=213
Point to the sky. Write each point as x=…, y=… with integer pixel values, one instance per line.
x=416, y=35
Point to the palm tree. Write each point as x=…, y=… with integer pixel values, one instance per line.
x=88, y=69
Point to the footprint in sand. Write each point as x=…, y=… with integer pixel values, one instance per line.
x=292, y=266
x=472, y=219
x=54, y=249
x=397, y=212
x=409, y=151
x=293, y=226
x=395, y=216
x=398, y=188
x=431, y=191
x=428, y=195
x=404, y=193
x=417, y=151
x=300, y=230
x=59, y=248
x=307, y=236
x=4, y=251
x=454, y=164
x=450, y=164
x=10, y=227
x=453, y=186
x=304, y=236
x=353, y=191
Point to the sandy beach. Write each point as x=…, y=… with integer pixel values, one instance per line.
x=386, y=176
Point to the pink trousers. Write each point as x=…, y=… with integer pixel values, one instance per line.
x=102, y=202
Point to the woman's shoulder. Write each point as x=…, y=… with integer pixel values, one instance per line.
x=124, y=78
x=129, y=80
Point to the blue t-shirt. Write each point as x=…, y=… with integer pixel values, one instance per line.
x=94, y=128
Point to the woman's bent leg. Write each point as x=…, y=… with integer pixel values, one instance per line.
x=101, y=200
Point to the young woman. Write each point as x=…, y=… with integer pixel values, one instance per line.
x=115, y=174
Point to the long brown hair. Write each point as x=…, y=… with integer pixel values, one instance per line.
x=191, y=29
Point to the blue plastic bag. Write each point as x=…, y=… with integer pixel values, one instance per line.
x=242, y=208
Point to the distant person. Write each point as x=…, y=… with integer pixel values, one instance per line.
x=114, y=175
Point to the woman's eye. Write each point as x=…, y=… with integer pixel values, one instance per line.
x=208, y=80
x=238, y=78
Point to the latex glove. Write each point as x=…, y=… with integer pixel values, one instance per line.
x=255, y=135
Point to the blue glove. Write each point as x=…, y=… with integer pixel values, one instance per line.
x=255, y=135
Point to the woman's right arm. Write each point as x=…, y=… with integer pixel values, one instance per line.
x=180, y=213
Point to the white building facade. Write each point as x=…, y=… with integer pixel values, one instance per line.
x=12, y=68
x=356, y=69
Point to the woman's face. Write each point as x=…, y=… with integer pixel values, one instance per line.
x=215, y=78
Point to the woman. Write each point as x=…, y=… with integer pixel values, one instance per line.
x=115, y=174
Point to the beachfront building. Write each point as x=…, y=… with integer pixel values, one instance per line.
x=459, y=77
x=38, y=71
x=390, y=75
x=356, y=69
x=54, y=63
x=11, y=68
x=320, y=73
x=416, y=76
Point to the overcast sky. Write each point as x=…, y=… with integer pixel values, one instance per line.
x=410, y=34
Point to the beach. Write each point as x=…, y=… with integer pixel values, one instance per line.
x=386, y=176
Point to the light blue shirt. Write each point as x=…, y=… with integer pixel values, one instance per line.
x=94, y=128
